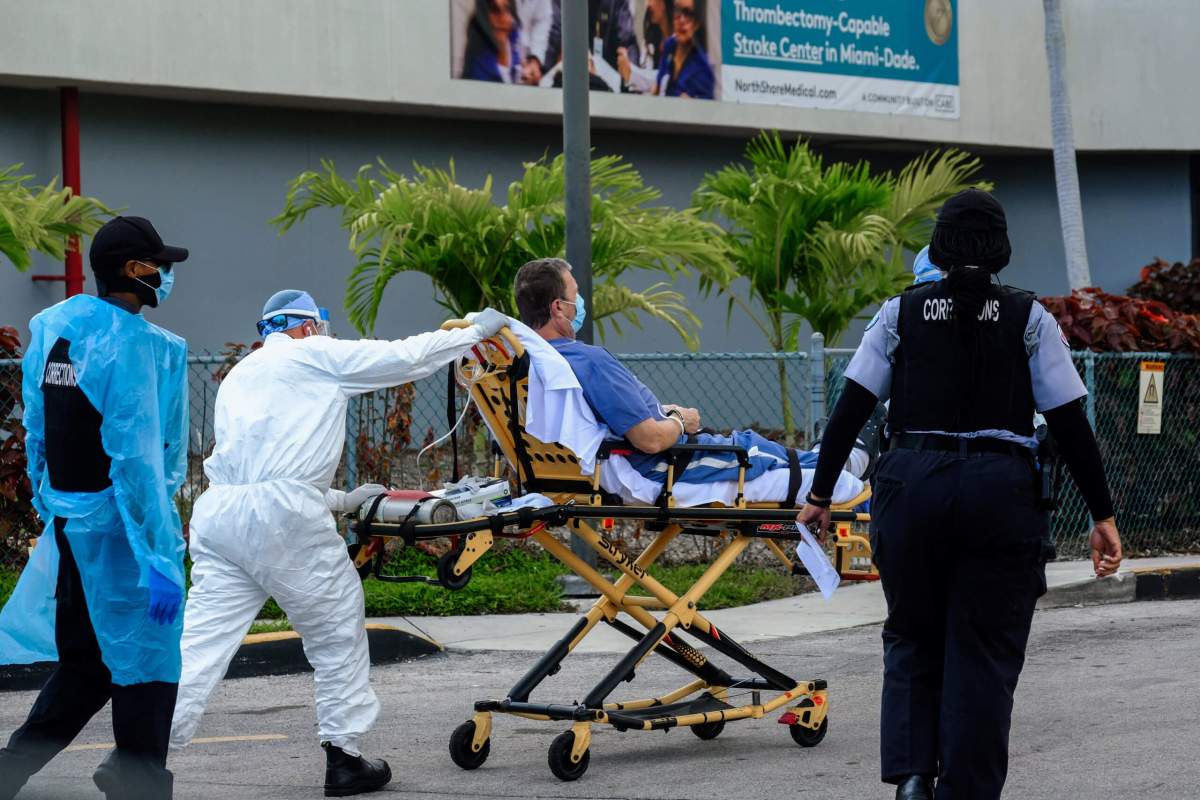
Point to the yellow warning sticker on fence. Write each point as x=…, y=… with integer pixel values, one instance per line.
x=1150, y=397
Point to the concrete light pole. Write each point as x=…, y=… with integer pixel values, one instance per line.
x=577, y=146
x=577, y=155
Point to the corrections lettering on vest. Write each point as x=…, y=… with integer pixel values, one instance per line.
x=941, y=309
x=928, y=390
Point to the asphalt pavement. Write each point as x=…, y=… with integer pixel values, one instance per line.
x=1108, y=707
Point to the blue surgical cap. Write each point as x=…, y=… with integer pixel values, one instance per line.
x=297, y=305
x=925, y=270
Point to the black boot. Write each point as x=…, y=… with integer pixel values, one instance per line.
x=915, y=787
x=123, y=778
x=346, y=774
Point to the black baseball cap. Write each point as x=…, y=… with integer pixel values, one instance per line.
x=124, y=239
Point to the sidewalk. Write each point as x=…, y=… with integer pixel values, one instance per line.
x=1069, y=583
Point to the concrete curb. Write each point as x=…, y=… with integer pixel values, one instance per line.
x=1148, y=583
x=261, y=654
x=1169, y=583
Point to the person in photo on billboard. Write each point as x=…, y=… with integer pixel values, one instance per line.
x=494, y=50
x=535, y=19
x=610, y=30
x=640, y=76
x=685, y=70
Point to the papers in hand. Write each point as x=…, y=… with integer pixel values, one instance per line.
x=812, y=555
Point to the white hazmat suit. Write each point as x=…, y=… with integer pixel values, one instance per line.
x=264, y=528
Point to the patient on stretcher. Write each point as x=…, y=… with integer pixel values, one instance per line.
x=623, y=407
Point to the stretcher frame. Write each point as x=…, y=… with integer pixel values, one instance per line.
x=713, y=697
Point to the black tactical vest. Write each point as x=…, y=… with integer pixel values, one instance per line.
x=934, y=385
x=75, y=457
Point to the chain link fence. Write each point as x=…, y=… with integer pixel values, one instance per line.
x=1153, y=477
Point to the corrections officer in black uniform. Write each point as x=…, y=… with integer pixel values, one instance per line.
x=956, y=527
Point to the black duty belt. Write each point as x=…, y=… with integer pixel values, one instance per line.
x=961, y=445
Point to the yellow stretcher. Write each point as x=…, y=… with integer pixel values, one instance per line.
x=660, y=619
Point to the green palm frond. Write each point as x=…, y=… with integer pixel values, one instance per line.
x=801, y=230
x=42, y=219
x=921, y=188
x=613, y=302
x=471, y=248
x=820, y=242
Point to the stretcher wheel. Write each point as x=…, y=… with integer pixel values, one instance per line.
x=709, y=730
x=560, y=758
x=460, y=747
x=807, y=737
x=445, y=572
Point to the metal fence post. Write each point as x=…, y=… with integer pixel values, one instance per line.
x=816, y=383
x=1089, y=379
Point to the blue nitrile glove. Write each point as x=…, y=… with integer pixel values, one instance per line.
x=165, y=598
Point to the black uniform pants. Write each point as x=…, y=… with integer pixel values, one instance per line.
x=958, y=543
x=77, y=689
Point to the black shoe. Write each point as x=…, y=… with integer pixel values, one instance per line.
x=915, y=787
x=107, y=776
x=346, y=774
x=132, y=779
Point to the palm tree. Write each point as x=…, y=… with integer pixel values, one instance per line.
x=471, y=247
x=820, y=243
x=42, y=219
x=1066, y=173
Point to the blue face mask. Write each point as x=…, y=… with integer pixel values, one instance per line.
x=166, y=281
x=580, y=314
x=165, y=285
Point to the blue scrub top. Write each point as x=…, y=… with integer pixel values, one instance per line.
x=617, y=397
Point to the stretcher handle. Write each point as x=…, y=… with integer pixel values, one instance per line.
x=743, y=456
x=505, y=333
x=609, y=445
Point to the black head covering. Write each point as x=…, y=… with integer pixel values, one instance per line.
x=971, y=230
x=123, y=239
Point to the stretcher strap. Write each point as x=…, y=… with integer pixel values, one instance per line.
x=363, y=528
x=452, y=417
x=680, y=460
x=795, y=479
x=518, y=369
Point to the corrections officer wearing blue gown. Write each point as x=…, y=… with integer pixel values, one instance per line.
x=957, y=522
x=105, y=398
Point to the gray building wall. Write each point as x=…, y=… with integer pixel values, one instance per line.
x=210, y=176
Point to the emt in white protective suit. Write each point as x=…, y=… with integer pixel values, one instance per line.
x=264, y=528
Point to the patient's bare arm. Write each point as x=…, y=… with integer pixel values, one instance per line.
x=655, y=435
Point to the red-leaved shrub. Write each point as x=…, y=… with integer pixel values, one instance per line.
x=1095, y=320
x=18, y=521
x=1177, y=285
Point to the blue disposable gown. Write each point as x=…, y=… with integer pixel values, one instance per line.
x=135, y=374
